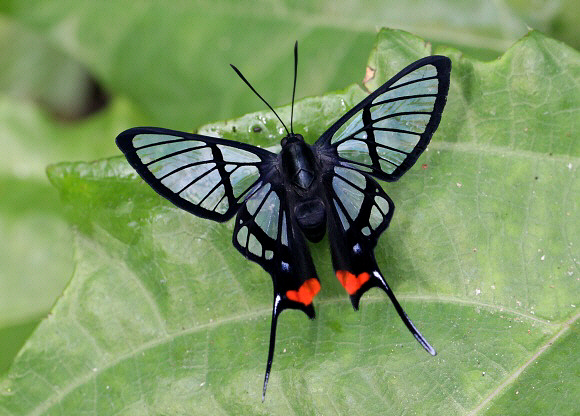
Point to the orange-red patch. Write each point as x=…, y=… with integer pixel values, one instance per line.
x=351, y=282
x=305, y=293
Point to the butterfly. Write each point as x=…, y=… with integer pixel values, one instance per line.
x=282, y=200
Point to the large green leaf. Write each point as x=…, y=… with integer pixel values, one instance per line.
x=163, y=315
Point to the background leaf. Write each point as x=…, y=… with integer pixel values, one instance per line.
x=162, y=314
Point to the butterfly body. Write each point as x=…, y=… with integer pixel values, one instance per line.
x=305, y=191
x=301, y=169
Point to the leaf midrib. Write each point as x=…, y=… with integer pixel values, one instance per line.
x=514, y=375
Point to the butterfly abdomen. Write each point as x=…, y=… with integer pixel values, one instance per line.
x=311, y=217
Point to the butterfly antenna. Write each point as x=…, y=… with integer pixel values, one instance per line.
x=275, y=313
x=294, y=88
x=261, y=98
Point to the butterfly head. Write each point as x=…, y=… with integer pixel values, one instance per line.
x=291, y=138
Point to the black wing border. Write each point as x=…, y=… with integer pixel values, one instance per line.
x=443, y=66
x=125, y=142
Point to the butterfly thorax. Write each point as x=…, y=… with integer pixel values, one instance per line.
x=300, y=169
x=298, y=164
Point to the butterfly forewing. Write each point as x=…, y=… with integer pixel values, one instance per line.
x=385, y=134
x=206, y=176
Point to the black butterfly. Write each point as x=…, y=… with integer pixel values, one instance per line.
x=283, y=199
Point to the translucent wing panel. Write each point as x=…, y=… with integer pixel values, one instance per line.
x=206, y=176
x=426, y=71
x=355, y=150
x=267, y=217
x=242, y=179
x=261, y=224
x=418, y=96
x=147, y=139
x=411, y=123
x=350, y=196
x=232, y=154
x=359, y=202
x=386, y=133
x=350, y=128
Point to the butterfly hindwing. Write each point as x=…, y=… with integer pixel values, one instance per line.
x=387, y=131
x=206, y=176
x=360, y=211
x=267, y=233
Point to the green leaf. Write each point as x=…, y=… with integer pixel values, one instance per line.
x=36, y=246
x=163, y=316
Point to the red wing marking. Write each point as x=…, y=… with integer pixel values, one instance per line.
x=305, y=293
x=351, y=282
